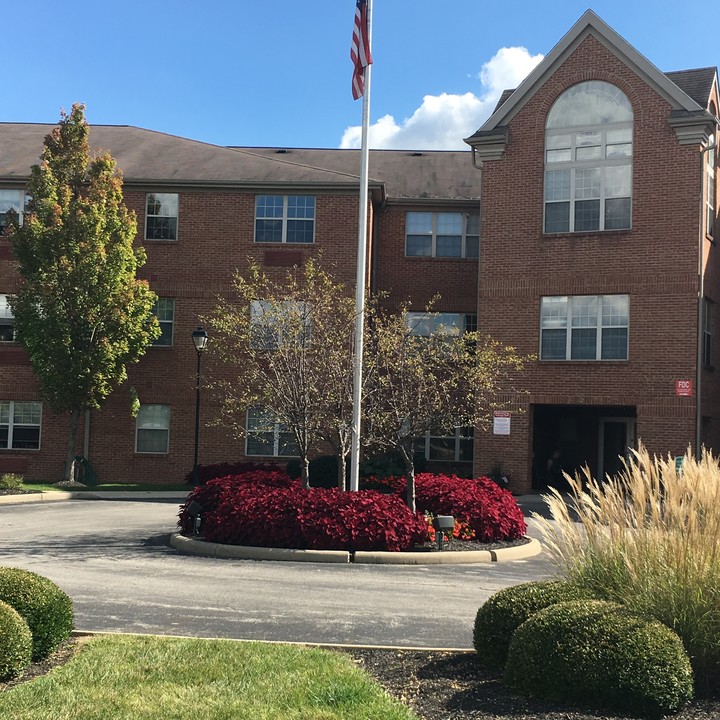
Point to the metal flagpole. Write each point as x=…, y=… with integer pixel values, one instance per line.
x=361, y=272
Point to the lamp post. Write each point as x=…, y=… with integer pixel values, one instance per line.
x=200, y=340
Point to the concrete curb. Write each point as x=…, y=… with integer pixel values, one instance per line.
x=190, y=546
x=36, y=497
x=245, y=552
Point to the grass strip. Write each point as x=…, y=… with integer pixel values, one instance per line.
x=137, y=677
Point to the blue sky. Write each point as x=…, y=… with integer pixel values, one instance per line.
x=277, y=72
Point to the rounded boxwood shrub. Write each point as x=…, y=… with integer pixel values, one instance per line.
x=504, y=612
x=15, y=643
x=600, y=654
x=42, y=604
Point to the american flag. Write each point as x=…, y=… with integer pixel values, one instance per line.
x=360, y=49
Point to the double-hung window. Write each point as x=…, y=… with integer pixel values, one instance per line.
x=285, y=219
x=442, y=234
x=20, y=425
x=276, y=323
x=161, y=216
x=7, y=320
x=588, y=160
x=707, y=333
x=584, y=327
x=164, y=311
x=11, y=200
x=152, y=429
x=265, y=435
x=449, y=448
x=426, y=324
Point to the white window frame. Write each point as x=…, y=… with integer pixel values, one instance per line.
x=7, y=320
x=169, y=212
x=7, y=201
x=285, y=219
x=151, y=425
x=425, y=324
x=433, y=233
x=259, y=422
x=167, y=304
x=711, y=190
x=9, y=409
x=424, y=445
x=564, y=146
x=566, y=321
x=267, y=330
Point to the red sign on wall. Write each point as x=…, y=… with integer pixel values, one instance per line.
x=683, y=388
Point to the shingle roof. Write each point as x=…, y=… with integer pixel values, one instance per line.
x=150, y=157
x=696, y=83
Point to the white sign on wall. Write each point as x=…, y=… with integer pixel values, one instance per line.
x=501, y=422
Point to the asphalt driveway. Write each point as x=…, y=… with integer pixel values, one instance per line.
x=113, y=559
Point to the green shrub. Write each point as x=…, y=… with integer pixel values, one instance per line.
x=649, y=538
x=11, y=481
x=323, y=470
x=15, y=643
x=504, y=612
x=599, y=653
x=44, y=606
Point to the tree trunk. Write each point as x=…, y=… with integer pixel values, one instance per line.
x=72, y=435
x=409, y=478
x=342, y=471
x=305, y=470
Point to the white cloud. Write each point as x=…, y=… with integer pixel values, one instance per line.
x=442, y=121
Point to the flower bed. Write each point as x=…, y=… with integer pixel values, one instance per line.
x=269, y=509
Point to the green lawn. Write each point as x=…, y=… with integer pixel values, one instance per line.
x=104, y=487
x=133, y=677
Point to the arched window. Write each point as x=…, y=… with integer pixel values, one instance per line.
x=588, y=160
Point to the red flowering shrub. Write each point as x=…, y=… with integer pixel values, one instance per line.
x=267, y=509
x=270, y=510
x=484, y=511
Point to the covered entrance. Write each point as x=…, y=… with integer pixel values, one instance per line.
x=570, y=437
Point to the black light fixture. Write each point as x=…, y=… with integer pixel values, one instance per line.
x=200, y=341
x=442, y=524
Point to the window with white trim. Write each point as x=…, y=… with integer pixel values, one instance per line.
x=584, y=327
x=11, y=200
x=161, y=216
x=454, y=448
x=20, y=425
x=282, y=322
x=7, y=320
x=285, y=219
x=710, y=192
x=265, y=435
x=426, y=324
x=164, y=311
x=152, y=429
x=442, y=234
x=588, y=160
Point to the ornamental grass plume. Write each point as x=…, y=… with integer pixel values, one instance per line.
x=649, y=538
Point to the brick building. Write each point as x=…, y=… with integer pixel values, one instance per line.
x=599, y=207
x=202, y=212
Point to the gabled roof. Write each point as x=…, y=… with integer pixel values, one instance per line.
x=591, y=24
x=152, y=158
x=146, y=156
x=697, y=83
x=406, y=174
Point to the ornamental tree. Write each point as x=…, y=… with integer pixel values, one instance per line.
x=80, y=312
x=284, y=380
x=417, y=384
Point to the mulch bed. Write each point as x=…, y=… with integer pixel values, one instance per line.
x=436, y=685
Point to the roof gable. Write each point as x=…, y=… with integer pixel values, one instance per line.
x=588, y=24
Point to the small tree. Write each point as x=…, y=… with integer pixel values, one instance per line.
x=417, y=384
x=81, y=313
x=288, y=346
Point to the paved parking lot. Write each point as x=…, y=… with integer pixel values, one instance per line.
x=113, y=559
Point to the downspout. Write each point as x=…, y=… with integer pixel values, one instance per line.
x=86, y=439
